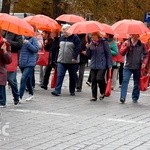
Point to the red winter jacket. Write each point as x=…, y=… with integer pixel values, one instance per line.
x=4, y=59
x=134, y=55
x=120, y=58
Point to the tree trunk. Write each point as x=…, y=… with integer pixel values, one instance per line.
x=58, y=8
x=6, y=6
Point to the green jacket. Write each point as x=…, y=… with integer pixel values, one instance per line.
x=114, y=49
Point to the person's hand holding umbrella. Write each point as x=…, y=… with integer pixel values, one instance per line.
x=4, y=48
x=25, y=41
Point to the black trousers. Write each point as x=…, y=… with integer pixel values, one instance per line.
x=121, y=73
x=48, y=70
x=80, y=76
x=98, y=80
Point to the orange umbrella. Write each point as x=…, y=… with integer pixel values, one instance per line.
x=43, y=22
x=130, y=26
x=86, y=27
x=15, y=25
x=108, y=29
x=144, y=37
x=70, y=18
x=121, y=36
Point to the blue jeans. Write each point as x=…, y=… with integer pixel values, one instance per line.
x=27, y=73
x=2, y=95
x=12, y=80
x=61, y=70
x=126, y=78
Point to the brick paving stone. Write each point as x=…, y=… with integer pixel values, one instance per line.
x=74, y=123
x=141, y=148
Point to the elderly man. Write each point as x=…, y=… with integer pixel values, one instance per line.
x=135, y=59
x=67, y=60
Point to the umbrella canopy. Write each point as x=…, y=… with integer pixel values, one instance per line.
x=129, y=26
x=15, y=25
x=86, y=27
x=144, y=37
x=70, y=18
x=43, y=22
x=108, y=29
x=121, y=36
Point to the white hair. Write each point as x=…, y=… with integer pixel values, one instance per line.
x=65, y=26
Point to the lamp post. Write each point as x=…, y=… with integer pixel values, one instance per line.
x=14, y=2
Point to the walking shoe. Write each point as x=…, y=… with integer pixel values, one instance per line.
x=29, y=98
x=122, y=100
x=93, y=99
x=101, y=97
x=112, y=88
x=135, y=100
x=2, y=106
x=72, y=94
x=43, y=87
x=55, y=93
x=79, y=90
x=88, y=83
x=16, y=101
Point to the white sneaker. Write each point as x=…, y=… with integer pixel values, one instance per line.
x=29, y=98
x=2, y=106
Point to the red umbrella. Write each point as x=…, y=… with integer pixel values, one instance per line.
x=144, y=37
x=130, y=26
x=122, y=36
x=43, y=22
x=15, y=25
x=70, y=18
x=108, y=29
x=86, y=27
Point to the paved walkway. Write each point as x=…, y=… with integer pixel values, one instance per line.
x=74, y=123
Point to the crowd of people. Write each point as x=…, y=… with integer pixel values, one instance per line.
x=71, y=52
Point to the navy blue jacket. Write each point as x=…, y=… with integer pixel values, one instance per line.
x=100, y=55
x=28, y=53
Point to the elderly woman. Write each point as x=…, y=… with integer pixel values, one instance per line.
x=27, y=62
x=5, y=58
x=101, y=59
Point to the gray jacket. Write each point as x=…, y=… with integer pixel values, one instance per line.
x=69, y=48
x=134, y=55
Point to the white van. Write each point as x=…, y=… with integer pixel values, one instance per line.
x=21, y=15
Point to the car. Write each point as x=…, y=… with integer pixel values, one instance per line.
x=21, y=15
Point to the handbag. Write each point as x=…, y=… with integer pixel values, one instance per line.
x=108, y=85
x=43, y=57
x=13, y=65
x=144, y=80
x=54, y=78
